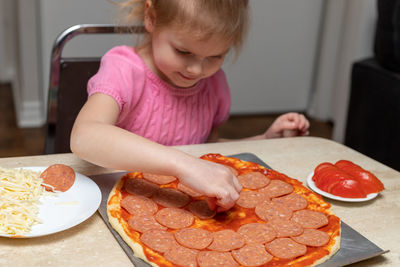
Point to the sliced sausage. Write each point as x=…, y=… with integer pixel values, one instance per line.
x=257, y=232
x=285, y=248
x=250, y=199
x=188, y=190
x=158, y=240
x=312, y=237
x=226, y=240
x=144, y=222
x=196, y=238
x=201, y=209
x=138, y=186
x=158, y=179
x=215, y=259
x=61, y=177
x=252, y=255
x=268, y=210
x=182, y=256
x=171, y=198
x=277, y=188
x=136, y=205
x=310, y=218
x=174, y=218
x=253, y=180
x=292, y=201
x=285, y=227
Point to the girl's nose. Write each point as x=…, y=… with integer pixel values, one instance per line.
x=195, y=67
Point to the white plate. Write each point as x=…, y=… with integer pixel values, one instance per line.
x=64, y=210
x=312, y=185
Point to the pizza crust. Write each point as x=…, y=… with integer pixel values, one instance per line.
x=114, y=207
x=136, y=248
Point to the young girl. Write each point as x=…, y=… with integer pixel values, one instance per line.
x=170, y=90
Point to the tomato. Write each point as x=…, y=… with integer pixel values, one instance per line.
x=346, y=179
x=369, y=182
x=323, y=166
x=348, y=189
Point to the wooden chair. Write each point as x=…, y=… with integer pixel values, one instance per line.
x=68, y=80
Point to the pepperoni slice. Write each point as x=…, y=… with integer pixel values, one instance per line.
x=171, y=198
x=136, y=205
x=292, y=201
x=61, y=177
x=312, y=237
x=253, y=180
x=226, y=240
x=277, y=188
x=252, y=255
x=285, y=248
x=250, y=199
x=174, y=218
x=215, y=259
x=144, y=222
x=138, y=186
x=158, y=179
x=268, y=210
x=158, y=240
x=257, y=233
x=182, y=256
x=196, y=238
x=188, y=190
x=285, y=228
x=310, y=218
x=201, y=209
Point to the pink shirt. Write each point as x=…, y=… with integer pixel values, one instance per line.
x=154, y=109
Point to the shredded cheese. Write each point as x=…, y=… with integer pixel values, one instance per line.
x=20, y=190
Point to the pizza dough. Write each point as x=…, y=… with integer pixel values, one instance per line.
x=275, y=221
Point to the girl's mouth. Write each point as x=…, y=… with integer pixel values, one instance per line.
x=186, y=77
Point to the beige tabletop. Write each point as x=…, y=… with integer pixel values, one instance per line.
x=91, y=243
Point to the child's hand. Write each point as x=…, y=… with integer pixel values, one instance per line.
x=288, y=125
x=213, y=180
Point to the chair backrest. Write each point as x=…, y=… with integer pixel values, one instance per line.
x=68, y=81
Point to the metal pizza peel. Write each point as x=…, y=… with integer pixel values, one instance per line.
x=354, y=247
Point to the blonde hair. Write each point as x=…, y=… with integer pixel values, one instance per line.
x=228, y=19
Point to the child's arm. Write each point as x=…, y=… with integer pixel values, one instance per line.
x=96, y=139
x=287, y=125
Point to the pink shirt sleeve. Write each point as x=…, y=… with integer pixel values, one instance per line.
x=119, y=70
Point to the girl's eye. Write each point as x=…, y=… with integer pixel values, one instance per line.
x=182, y=52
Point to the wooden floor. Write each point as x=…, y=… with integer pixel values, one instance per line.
x=15, y=141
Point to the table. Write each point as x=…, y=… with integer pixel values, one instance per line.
x=92, y=244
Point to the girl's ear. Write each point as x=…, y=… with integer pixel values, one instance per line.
x=149, y=16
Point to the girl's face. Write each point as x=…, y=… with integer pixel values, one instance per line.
x=182, y=60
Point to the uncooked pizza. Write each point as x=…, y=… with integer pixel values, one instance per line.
x=275, y=222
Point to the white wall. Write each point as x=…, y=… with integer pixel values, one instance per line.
x=8, y=39
x=273, y=73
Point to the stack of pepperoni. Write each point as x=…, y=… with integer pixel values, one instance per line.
x=276, y=220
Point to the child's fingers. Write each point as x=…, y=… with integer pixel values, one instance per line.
x=212, y=202
x=236, y=184
x=226, y=199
